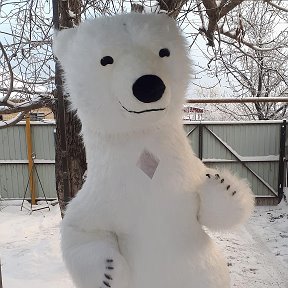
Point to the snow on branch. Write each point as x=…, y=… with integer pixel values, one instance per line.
x=248, y=44
x=16, y=104
x=27, y=64
x=9, y=106
x=217, y=13
x=14, y=120
x=248, y=39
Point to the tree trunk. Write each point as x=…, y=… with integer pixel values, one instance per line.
x=75, y=157
x=70, y=162
x=259, y=106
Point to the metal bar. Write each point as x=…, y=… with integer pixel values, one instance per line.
x=191, y=131
x=242, y=162
x=41, y=188
x=200, y=141
x=281, y=161
x=41, y=208
x=20, y=161
x=238, y=100
x=219, y=122
x=235, y=161
x=24, y=197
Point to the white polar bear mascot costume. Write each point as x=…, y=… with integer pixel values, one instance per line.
x=137, y=221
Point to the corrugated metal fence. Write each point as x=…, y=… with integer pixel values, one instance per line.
x=251, y=149
x=14, y=163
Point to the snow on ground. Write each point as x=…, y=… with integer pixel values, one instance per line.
x=29, y=248
x=257, y=253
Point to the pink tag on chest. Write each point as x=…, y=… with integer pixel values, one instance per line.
x=148, y=163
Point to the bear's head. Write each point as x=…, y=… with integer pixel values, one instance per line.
x=124, y=73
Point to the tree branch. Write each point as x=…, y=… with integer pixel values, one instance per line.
x=24, y=90
x=248, y=44
x=12, y=107
x=9, y=90
x=215, y=13
x=213, y=16
x=276, y=6
x=225, y=8
x=173, y=7
x=13, y=121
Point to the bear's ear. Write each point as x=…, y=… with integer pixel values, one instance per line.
x=62, y=42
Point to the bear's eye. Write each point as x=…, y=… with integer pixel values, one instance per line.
x=106, y=60
x=164, y=52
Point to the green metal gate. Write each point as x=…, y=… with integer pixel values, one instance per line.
x=253, y=150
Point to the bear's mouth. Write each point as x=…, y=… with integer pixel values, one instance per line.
x=142, y=111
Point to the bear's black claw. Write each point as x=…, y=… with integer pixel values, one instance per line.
x=108, y=276
x=233, y=193
x=228, y=187
x=222, y=180
x=106, y=283
x=208, y=175
x=109, y=264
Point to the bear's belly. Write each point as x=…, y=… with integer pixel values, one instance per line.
x=154, y=209
x=155, y=220
x=174, y=260
x=165, y=246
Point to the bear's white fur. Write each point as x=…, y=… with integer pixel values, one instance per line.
x=126, y=227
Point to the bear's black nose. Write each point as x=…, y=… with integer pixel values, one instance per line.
x=148, y=88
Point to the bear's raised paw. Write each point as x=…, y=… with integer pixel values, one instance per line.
x=225, y=200
x=221, y=180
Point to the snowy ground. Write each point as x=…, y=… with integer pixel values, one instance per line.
x=257, y=253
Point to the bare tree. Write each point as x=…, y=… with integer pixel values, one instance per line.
x=27, y=68
x=249, y=51
x=28, y=73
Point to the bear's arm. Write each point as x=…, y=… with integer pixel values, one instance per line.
x=93, y=258
x=225, y=200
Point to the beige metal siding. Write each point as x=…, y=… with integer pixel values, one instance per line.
x=247, y=140
x=255, y=143
x=14, y=163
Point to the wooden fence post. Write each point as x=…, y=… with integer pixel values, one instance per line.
x=30, y=160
